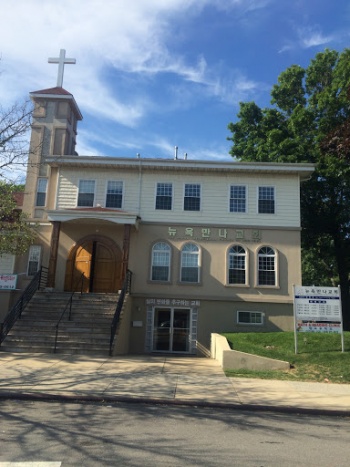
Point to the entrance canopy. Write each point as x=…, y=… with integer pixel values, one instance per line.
x=94, y=214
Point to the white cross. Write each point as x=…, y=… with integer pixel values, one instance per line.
x=61, y=60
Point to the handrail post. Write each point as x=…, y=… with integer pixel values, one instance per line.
x=1, y=332
x=39, y=281
x=82, y=283
x=20, y=308
x=70, y=307
x=54, y=350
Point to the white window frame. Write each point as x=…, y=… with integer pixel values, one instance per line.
x=193, y=252
x=153, y=250
x=274, y=200
x=230, y=198
x=122, y=194
x=251, y=314
x=34, y=256
x=276, y=269
x=156, y=196
x=93, y=193
x=246, y=269
x=195, y=197
x=39, y=191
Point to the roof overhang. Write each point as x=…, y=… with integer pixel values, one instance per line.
x=304, y=171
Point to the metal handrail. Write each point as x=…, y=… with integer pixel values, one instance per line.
x=38, y=282
x=125, y=289
x=69, y=302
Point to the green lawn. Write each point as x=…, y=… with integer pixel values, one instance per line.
x=319, y=355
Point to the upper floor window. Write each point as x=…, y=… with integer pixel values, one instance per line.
x=34, y=259
x=160, y=262
x=86, y=193
x=164, y=196
x=267, y=266
x=192, y=198
x=190, y=263
x=266, y=200
x=41, y=192
x=238, y=198
x=114, y=197
x=237, y=265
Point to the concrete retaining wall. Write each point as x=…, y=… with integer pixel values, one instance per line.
x=235, y=360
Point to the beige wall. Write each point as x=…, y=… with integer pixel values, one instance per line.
x=213, y=283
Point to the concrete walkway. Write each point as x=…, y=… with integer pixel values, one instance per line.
x=160, y=379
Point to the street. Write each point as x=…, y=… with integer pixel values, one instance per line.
x=72, y=434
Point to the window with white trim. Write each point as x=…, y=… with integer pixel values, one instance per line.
x=190, y=263
x=160, y=270
x=250, y=317
x=237, y=265
x=86, y=193
x=164, y=196
x=114, y=197
x=267, y=266
x=192, y=197
x=266, y=200
x=34, y=259
x=238, y=198
x=41, y=192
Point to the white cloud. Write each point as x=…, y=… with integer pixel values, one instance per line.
x=312, y=37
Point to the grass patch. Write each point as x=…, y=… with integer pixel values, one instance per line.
x=319, y=355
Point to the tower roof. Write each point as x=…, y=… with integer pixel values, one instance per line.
x=57, y=93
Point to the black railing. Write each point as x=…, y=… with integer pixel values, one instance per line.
x=79, y=283
x=125, y=289
x=39, y=281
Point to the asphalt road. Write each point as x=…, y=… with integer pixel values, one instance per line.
x=66, y=434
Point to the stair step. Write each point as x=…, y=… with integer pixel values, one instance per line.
x=88, y=331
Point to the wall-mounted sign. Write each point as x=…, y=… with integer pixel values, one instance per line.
x=172, y=302
x=8, y=281
x=215, y=234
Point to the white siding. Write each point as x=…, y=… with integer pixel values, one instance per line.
x=214, y=195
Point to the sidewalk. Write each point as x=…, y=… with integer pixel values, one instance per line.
x=159, y=379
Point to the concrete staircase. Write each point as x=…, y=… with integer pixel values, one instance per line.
x=88, y=332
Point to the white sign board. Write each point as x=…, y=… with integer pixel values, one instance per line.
x=317, y=303
x=8, y=281
x=317, y=309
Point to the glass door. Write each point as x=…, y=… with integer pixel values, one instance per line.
x=171, y=330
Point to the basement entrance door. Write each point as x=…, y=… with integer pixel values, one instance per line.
x=99, y=263
x=171, y=330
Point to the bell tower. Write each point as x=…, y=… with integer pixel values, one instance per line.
x=54, y=131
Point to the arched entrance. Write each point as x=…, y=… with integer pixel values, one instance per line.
x=99, y=259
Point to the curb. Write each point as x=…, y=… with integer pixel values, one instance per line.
x=82, y=399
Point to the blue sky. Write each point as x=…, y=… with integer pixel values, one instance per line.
x=154, y=74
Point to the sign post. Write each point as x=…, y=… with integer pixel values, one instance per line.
x=317, y=309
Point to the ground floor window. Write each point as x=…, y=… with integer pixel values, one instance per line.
x=250, y=317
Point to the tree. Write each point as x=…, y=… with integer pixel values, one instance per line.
x=16, y=234
x=309, y=122
x=15, y=123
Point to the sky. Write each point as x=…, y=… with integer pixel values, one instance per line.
x=154, y=74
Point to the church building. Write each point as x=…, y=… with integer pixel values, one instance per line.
x=210, y=246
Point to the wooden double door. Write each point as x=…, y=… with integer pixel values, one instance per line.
x=100, y=261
